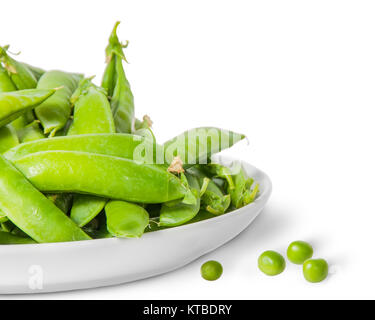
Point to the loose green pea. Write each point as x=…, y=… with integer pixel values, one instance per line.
x=299, y=251
x=271, y=263
x=211, y=270
x=315, y=270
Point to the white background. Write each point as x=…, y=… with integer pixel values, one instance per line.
x=297, y=77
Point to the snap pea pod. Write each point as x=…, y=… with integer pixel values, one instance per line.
x=92, y=111
x=21, y=75
x=242, y=194
x=113, y=49
x=37, y=72
x=31, y=211
x=172, y=215
x=30, y=132
x=8, y=138
x=85, y=208
x=117, y=85
x=100, y=175
x=55, y=112
x=92, y=114
x=218, y=170
x=6, y=84
x=8, y=238
x=198, y=145
x=212, y=198
x=15, y=103
x=126, y=220
x=118, y=145
x=22, y=78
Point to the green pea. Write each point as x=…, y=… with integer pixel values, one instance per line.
x=315, y=270
x=271, y=263
x=211, y=270
x=299, y=251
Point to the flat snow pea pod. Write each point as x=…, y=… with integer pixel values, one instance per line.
x=21, y=75
x=8, y=138
x=8, y=238
x=31, y=132
x=100, y=175
x=220, y=171
x=92, y=111
x=6, y=83
x=112, y=144
x=55, y=112
x=172, y=215
x=31, y=211
x=126, y=220
x=85, y=208
x=15, y=103
x=198, y=145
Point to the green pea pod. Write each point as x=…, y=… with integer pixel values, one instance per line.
x=85, y=208
x=21, y=75
x=126, y=220
x=8, y=238
x=117, y=85
x=113, y=48
x=212, y=198
x=62, y=200
x=100, y=175
x=8, y=138
x=180, y=213
x=6, y=84
x=118, y=145
x=92, y=111
x=22, y=78
x=30, y=132
x=55, y=112
x=13, y=104
x=196, y=146
x=218, y=170
x=242, y=194
x=37, y=72
x=31, y=211
x=92, y=114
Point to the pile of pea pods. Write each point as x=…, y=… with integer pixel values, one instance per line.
x=76, y=164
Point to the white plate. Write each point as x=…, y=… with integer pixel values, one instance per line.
x=89, y=264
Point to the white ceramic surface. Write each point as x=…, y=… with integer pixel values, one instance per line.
x=104, y=262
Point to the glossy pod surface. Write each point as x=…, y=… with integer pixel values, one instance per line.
x=197, y=145
x=14, y=104
x=126, y=220
x=118, y=145
x=55, y=112
x=31, y=211
x=8, y=138
x=100, y=175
